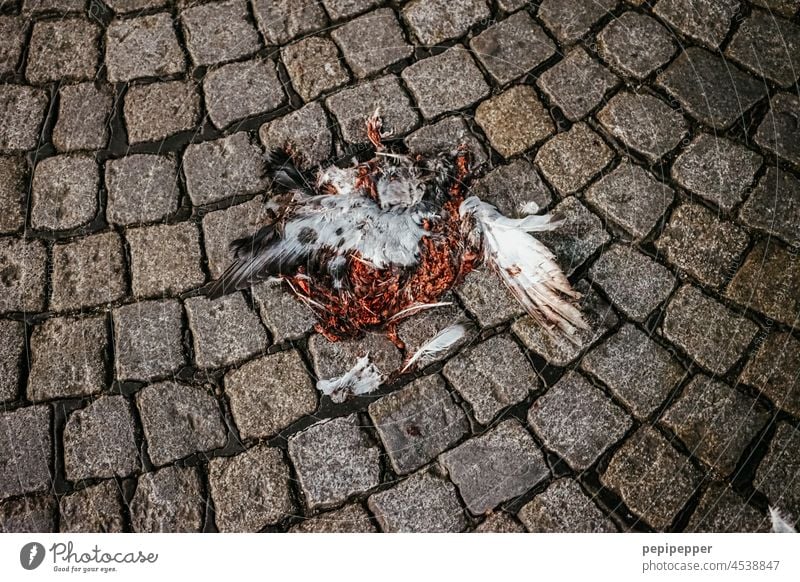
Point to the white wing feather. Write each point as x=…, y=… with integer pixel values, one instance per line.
x=438, y=344
x=780, y=523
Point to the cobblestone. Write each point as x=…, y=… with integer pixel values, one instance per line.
x=564, y=507
x=219, y=32
x=777, y=474
x=141, y=188
x=577, y=84
x=305, y=131
x=63, y=49
x=416, y=332
x=499, y=522
x=446, y=82
x=488, y=299
x=719, y=170
x=443, y=136
x=28, y=515
x=334, y=359
x=250, y=490
x=22, y=111
x=707, y=21
x=99, y=440
x=779, y=132
x=701, y=244
x=572, y=158
x=787, y=8
x=239, y=90
x=768, y=46
x=222, y=227
x=372, y=42
x=350, y=519
x=83, y=113
x=168, y=501
x=22, y=275
x=334, y=460
x=131, y=6
x=339, y=9
x=13, y=189
x=12, y=347
x=417, y=423
x=286, y=317
x=26, y=445
x=12, y=33
x=64, y=192
x=94, y=509
x=713, y=335
x=268, y=394
x=635, y=45
x=569, y=20
x=145, y=46
x=280, y=23
x=492, y=376
x=639, y=372
x=514, y=120
x=434, y=21
x=157, y=111
x=653, y=479
x=721, y=510
x=500, y=465
x=67, y=358
x=513, y=47
x=774, y=206
x=314, y=67
x=512, y=186
x=44, y=6
x=774, y=369
x=422, y=503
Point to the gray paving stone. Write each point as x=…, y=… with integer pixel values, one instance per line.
x=491, y=376
x=488, y=299
x=769, y=282
x=774, y=370
x=349, y=519
x=22, y=275
x=334, y=461
x=774, y=206
x=499, y=522
x=512, y=186
x=354, y=105
x=285, y=316
x=219, y=169
x=511, y=5
x=281, y=21
x=635, y=45
x=268, y=394
x=179, y=421
x=564, y=508
x=95, y=509
x=145, y=46
x=42, y=6
x=26, y=447
x=423, y=503
x=653, y=479
x=63, y=49
x=130, y=6
x=417, y=423
x=28, y=515
x=13, y=192
x=512, y=47
x=634, y=282
x=499, y=465
x=83, y=113
x=444, y=136
x=779, y=132
x=22, y=111
x=699, y=243
x=314, y=66
x=777, y=474
x=569, y=20
x=99, y=440
x=147, y=340
x=514, y=120
x=219, y=32
x=719, y=170
x=561, y=351
x=239, y=90
x=787, y=8
x=434, y=21
x=639, y=372
x=170, y=500
x=67, y=358
x=372, y=42
x=141, y=188
x=572, y=158
x=159, y=110
x=306, y=132
x=334, y=359
x=769, y=47
x=631, y=198
x=250, y=490
x=340, y=9
x=12, y=348
x=416, y=331
x=578, y=238
x=577, y=421
x=224, y=331
x=716, y=422
x=64, y=192
x=722, y=511
x=643, y=123
x=445, y=82
x=165, y=259
x=577, y=84
x=710, y=89
x=707, y=21
x=87, y=272
x=12, y=33
x=713, y=335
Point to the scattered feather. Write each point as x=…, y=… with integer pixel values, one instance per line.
x=437, y=345
x=363, y=378
x=529, y=207
x=780, y=522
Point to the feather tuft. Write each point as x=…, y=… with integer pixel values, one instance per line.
x=363, y=378
x=437, y=345
x=780, y=522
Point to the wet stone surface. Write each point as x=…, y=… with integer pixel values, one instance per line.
x=564, y=507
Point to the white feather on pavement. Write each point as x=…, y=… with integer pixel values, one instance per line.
x=780, y=522
x=363, y=378
x=438, y=344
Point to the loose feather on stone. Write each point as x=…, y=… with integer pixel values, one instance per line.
x=363, y=378
x=437, y=345
x=780, y=523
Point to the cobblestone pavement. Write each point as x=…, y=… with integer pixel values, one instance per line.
x=667, y=132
